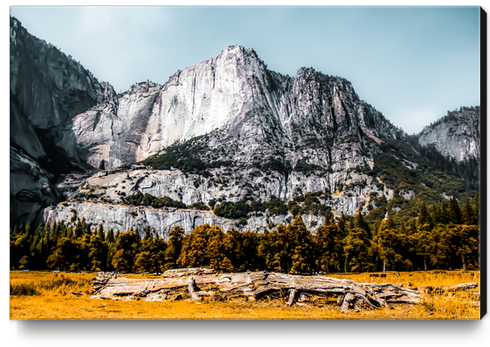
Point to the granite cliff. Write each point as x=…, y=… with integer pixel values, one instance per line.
x=457, y=135
x=47, y=89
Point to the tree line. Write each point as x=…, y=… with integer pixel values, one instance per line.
x=444, y=236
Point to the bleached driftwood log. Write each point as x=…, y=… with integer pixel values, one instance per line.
x=198, y=283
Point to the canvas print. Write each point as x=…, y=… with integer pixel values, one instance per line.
x=245, y=163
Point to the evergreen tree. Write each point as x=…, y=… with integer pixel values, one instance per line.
x=232, y=244
x=63, y=255
x=464, y=246
x=436, y=214
x=468, y=214
x=126, y=248
x=216, y=251
x=97, y=253
x=329, y=243
x=476, y=207
x=248, y=255
x=356, y=247
x=204, y=247
x=79, y=230
x=265, y=250
x=422, y=240
x=424, y=216
x=360, y=223
x=100, y=233
x=151, y=258
x=403, y=230
x=173, y=248
x=109, y=238
x=455, y=215
x=413, y=227
x=342, y=224
x=281, y=250
x=438, y=248
x=388, y=244
x=302, y=257
x=444, y=213
x=83, y=257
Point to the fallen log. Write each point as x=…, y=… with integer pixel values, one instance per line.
x=446, y=289
x=193, y=284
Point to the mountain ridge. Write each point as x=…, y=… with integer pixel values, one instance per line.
x=223, y=130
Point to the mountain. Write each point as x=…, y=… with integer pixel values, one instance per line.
x=457, y=135
x=226, y=142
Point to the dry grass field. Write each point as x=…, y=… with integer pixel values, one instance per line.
x=40, y=295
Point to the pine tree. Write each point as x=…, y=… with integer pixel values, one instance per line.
x=63, y=255
x=97, y=253
x=109, y=238
x=413, y=227
x=248, y=255
x=265, y=250
x=174, y=247
x=436, y=214
x=402, y=230
x=424, y=216
x=79, y=231
x=100, y=232
x=302, y=247
x=464, y=246
x=444, y=213
x=438, y=248
x=455, y=215
x=356, y=247
x=422, y=241
x=329, y=243
x=281, y=249
x=342, y=224
x=468, y=214
x=232, y=244
x=83, y=257
x=476, y=207
x=126, y=248
x=360, y=223
x=388, y=247
x=215, y=251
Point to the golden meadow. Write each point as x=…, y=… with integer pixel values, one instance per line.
x=38, y=295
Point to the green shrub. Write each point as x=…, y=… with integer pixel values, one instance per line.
x=233, y=210
x=276, y=206
x=140, y=199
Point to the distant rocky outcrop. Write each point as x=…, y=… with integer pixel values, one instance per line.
x=457, y=135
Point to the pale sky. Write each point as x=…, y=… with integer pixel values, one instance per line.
x=411, y=63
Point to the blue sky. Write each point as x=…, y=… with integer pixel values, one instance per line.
x=411, y=63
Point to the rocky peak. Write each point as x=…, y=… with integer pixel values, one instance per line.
x=457, y=135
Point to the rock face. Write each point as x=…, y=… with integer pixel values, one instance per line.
x=231, y=129
x=234, y=99
x=47, y=89
x=111, y=131
x=456, y=135
x=31, y=188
